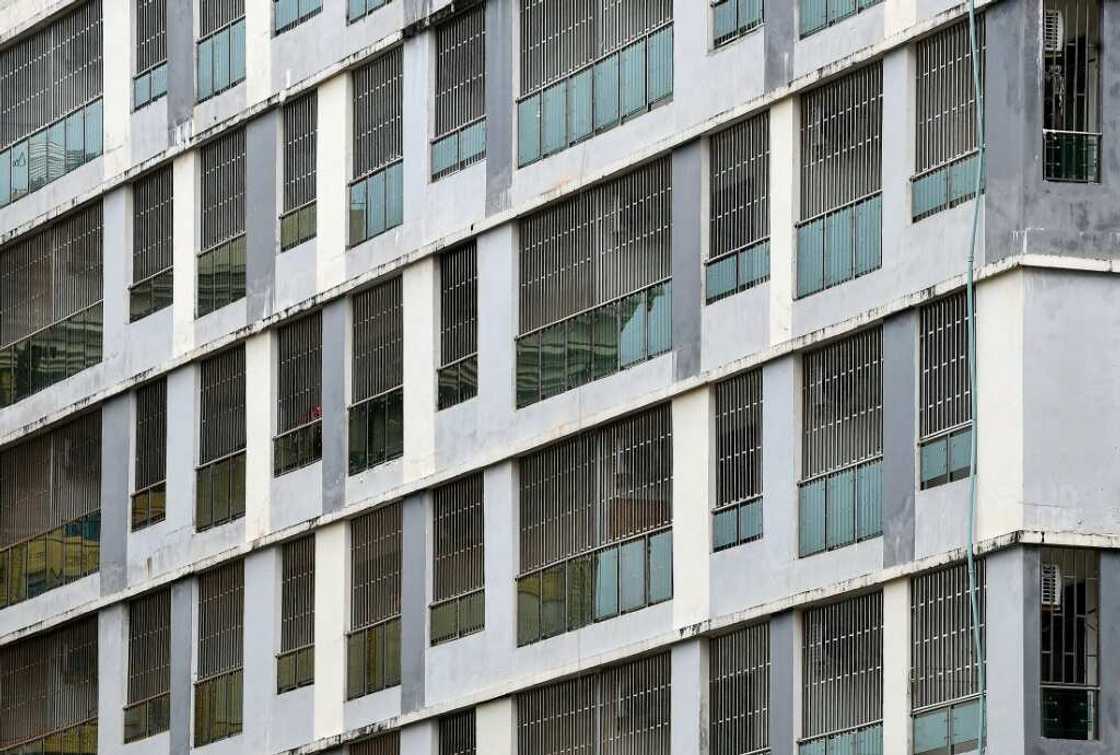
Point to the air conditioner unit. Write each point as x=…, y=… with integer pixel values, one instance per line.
x=1051, y=588
x=1053, y=32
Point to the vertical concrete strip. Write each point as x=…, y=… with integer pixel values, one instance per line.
x=685, y=234
x=689, y=697
x=781, y=47
x=496, y=726
x=261, y=243
x=259, y=403
x=419, y=292
x=693, y=433
x=115, y=457
x=500, y=147
x=336, y=328
x=900, y=334
x=785, y=160
x=332, y=602
x=414, y=604
x=112, y=675
x=182, y=653
x=262, y=622
x=896, y=666
x=1012, y=650
x=785, y=683
x=180, y=68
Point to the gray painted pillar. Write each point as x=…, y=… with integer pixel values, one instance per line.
x=261, y=243
x=499, y=104
x=689, y=698
x=781, y=36
x=784, y=662
x=899, y=432
x=180, y=64
x=685, y=232
x=115, y=415
x=414, y=604
x=182, y=649
x=335, y=328
x=1009, y=574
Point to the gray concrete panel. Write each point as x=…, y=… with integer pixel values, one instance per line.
x=499, y=104
x=784, y=661
x=261, y=243
x=899, y=432
x=781, y=34
x=182, y=650
x=335, y=322
x=115, y=457
x=688, y=293
x=180, y=64
x=414, y=604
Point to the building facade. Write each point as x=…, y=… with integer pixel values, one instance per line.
x=529, y=377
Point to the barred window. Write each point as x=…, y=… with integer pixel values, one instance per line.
x=288, y=14
x=149, y=498
x=50, y=101
x=377, y=192
x=1070, y=629
x=388, y=743
x=149, y=666
x=738, y=513
x=1071, y=90
x=459, y=604
x=295, y=666
x=150, y=81
x=221, y=264
x=50, y=690
x=595, y=516
x=374, y=643
x=357, y=9
x=221, y=46
x=622, y=709
x=588, y=66
x=299, y=441
x=50, y=523
x=458, y=327
x=944, y=677
x=739, y=691
x=460, y=92
x=301, y=134
x=947, y=146
x=595, y=278
x=842, y=676
x=50, y=304
x=842, y=442
x=819, y=14
x=377, y=412
x=153, y=198
x=221, y=471
x=945, y=409
x=739, y=251
x=732, y=19
x=218, y=689
x=457, y=733
x=840, y=233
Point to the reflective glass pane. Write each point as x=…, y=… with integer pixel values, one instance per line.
x=869, y=235
x=659, y=317
x=725, y=529
x=19, y=170
x=37, y=161
x=237, y=52
x=632, y=72
x=659, y=51
x=750, y=520
x=810, y=258
x=93, y=129
x=159, y=81
x=579, y=105
x=554, y=118
x=529, y=130
x=965, y=728
x=75, y=141
x=632, y=575
x=528, y=609
x=606, y=92
x=141, y=90
x=811, y=517
x=528, y=370
x=606, y=583
x=869, y=500
x=931, y=733
x=720, y=279
x=445, y=154
x=358, y=212
x=5, y=177
x=581, y=591
x=553, y=611
x=394, y=195
x=221, y=60
x=660, y=567
x=205, y=78
x=632, y=330
x=838, y=247
x=841, y=512
x=934, y=462
x=375, y=207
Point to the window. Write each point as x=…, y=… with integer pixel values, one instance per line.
x=377, y=191
x=377, y=414
x=50, y=106
x=221, y=471
x=50, y=523
x=595, y=277
x=622, y=709
x=945, y=412
x=459, y=603
x=149, y=666
x=221, y=265
x=153, y=226
x=295, y=666
x=458, y=325
x=739, y=691
x=298, y=223
x=944, y=677
x=947, y=146
x=50, y=305
x=841, y=443
x=732, y=19
x=357, y=9
x=221, y=47
x=584, y=72
x=383, y=744
x=841, y=229
x=595, y=517
x=1070, y=599
x=738, y=514
x=150, y=81
x=819, y=14
x=218, y=688
x=299, y=401
x=373, y=647
x=288, y=14
x=457, y=734
x=460, y=93
x=739, y=238
x=1071, y=90
x=50, y=691
x=149, y=501
x=842, y=677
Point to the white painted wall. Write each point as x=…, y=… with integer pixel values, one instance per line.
x=896, y=666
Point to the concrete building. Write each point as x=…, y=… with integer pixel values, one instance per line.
x=557, y=376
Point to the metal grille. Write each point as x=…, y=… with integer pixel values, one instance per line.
x=152, y=224
x=300, y=372
x=222, y=414
x=623, y=710
x=223, y=188
x=1071, y=108
x=1070, y=636
x=595, y=488
x=457, y=733
x=300, y=135
x=602, y=244
x=945, y=400
x=149, y=646
x=460, y=70
x=946, y=98
x=297, y=594
x=221, y=610
x=739, y=438
x=151, y=33
x=842, y=665
x=942, y=659
x=378, y=340
x=384, y=744
x=214, y=14
x=841, y=141
x=151, y=434
x=378, y=88
x=740, y=185
x=458, y=303
x=50, y=73
x=375, y=566
x=842, y=403
x=49, y=683
x=458, y=549
x=739, y=691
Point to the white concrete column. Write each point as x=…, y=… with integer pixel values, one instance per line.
x=785, y=168
x=421, y=738
x=185, y=230
x=896, y=666
x=259, y=419
x=258, y=50
x=112, y=676
x=899, y=15
x=262, y=622
x=116, y=274
x=417, y=60
x=497, y=324
x=419, y=291
x=689, y=698
x=332, y=580
x=693, y=432
x=332, y=167
x=496, y=727
x=898, y=153
x=182, y=445
x=500, y=519
x=116, y=32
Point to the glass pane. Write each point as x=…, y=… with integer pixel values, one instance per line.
x=554, y=118
x=444, y=622
x=632, y=330
x=472, y=613
x=375, y=207
x=869, y=235
x=528, y=370
x=375, y=658
x=928, y=194
x=632, y=68
x=357, y=212
x=286, y=11
x=393, y=653
x=220, y=485
x=841, y=512
x=472, y=142
x=93, y=129
x=394, y=424
x=837, y=247
x=139, y=510
x=632, y=575
x=660, y=567
x=445, y=154
x=813, y=15
x=355, y=9
x=579, y=350
x=606, y=583
x=553, y=362
x=75, y=141
x=528, y=609
x=394, y=195
x=237, y=52
x=725, y=529
x=660, y=55
x=960, y=452
x=810, y=258
x=750, y=520
x=606, y=92
x=720, y=279
x=529, y=130
x=811, y=520
x=447, y=385
x=5, y=177
x=286, y=672
x=553, y=612
x=934, y=462
x=141, y=90
x=724, y=20
x=579, y=105
x=581, y=591
x=355, y=665
x=468, y=378
x=159, y=81
x=221, y=60
x=869, y=500
x=358, y=435
x=37, y=161
x=659, y=316
x=931, y=733
x=965, y=726
x=205, y=78
x=605, y=341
